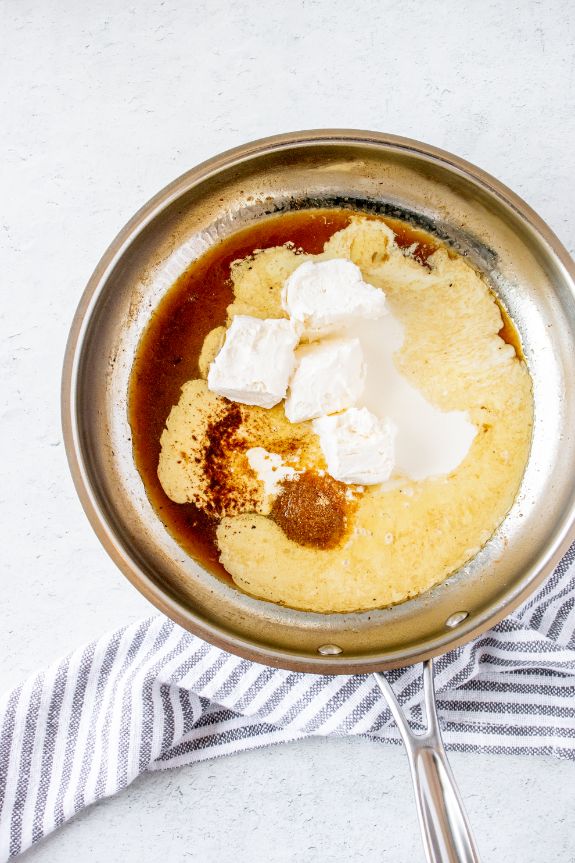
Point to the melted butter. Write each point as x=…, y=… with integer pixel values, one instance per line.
x=508, y=331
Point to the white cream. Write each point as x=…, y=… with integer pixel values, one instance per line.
x=329, y=376
x=256, y=361
x=320, y=297
x=269, y=468
x=429, y=442
x=358, y=446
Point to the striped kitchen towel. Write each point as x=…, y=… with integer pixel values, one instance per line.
x=152, y=696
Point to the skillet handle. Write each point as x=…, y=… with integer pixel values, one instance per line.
x=445, y=830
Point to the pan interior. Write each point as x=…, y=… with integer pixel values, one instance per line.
x=520, y=259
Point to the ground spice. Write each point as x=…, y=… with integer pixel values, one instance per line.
x=312, y=510
x=224, y=490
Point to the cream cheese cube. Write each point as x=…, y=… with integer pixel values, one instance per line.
x=256, y=361
x=359, y=447
x=324, y=296
x=329, y=376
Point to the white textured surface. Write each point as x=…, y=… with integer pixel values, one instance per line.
x=255, y=363
x=101, y=106
x=322, y=297
x=329, y=376
x=359, y=447
x=318, y=801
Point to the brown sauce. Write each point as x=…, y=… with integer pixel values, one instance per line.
x=405, y=236
x=168, y=354
x=508, y=331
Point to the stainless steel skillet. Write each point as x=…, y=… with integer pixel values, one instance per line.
x=535, y=279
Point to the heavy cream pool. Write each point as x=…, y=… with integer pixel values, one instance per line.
x=459, y=395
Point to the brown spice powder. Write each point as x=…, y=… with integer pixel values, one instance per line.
x=312, y=510
x=225, y=492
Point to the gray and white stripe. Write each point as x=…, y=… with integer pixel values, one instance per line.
x=151, y=696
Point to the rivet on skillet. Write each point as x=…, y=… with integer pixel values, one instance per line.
x=329, y=650
x=455, y=619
